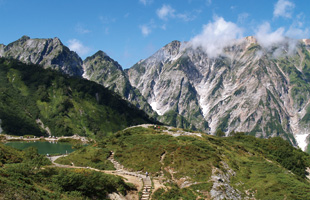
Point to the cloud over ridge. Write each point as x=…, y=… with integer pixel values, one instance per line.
x=217, y=35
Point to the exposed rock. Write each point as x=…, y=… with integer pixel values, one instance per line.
x=246, y=89
x=221, y=188
x=50, y=53
x=41, y=124
x=116, y=196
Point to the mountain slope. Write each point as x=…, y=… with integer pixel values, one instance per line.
x=248, y=88
x=189, y=165
x=102, y=69
x=41, y=101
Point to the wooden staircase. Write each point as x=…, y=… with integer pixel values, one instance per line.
x=146, y=192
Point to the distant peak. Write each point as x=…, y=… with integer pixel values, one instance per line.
x=100, y=53
x=56, y=39
x=306, y=41
x=174, y=43
x=251, y=39
x=24, y=38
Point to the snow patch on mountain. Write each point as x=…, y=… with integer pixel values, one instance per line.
x=302, y=140
x=155, y=106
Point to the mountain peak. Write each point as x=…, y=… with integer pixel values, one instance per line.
x=251, y=39
x=49, y=53
x=175, y=44
x=100, y=53
x=57, y=40
x=24, y=38
x=306, y=41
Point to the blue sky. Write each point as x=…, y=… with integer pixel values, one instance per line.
x=130, y=30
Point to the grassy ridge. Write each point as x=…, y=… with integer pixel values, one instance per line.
x=66, y=105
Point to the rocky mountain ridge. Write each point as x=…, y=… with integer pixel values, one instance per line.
x=248, y=88
x=102, y=69
x=50, y=53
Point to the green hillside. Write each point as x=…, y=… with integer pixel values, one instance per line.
x=24, y=175
x=205, y=166
x=40, y=101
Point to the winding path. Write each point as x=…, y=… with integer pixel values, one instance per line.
x=135, y=178
x=147, y=183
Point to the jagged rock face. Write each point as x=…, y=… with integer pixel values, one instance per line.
x=104, y=70
x=246, y=89
x=50, y=53
x=163, y=80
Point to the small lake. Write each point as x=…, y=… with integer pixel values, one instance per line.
x=43, y=147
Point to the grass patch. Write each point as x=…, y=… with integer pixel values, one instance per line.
x=88, y=157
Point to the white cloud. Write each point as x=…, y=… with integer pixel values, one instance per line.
x=243, y=17
x=146, y=2
x=233, y=7
x=165, y=11
x=216, y=36
x=146, y=30
x=78, y=47
x=283, y=8
x=296, y=30
x=266, y=38
x=80, y=29
x=297, y=33
x=189, y=16
x=285, y=41
x=107, y=20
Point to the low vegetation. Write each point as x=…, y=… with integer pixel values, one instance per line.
x=266, y=168
x=25, y=175
x=88, y=157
